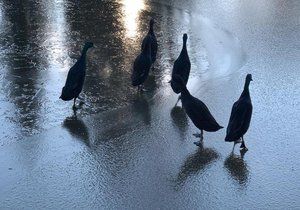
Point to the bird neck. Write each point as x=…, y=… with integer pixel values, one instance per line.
x=184, y=45
x=246, y=89
x=183, y=51
x=185, y=91
x=147, y=48
x=151, y=29
x=83, y=52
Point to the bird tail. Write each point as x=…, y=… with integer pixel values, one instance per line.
x=66, y=94
x=175, y=87
x=229, y=138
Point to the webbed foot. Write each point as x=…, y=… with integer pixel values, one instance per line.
x=198, y=135
x=243, y=152
x=198, y=143
x=243, y=146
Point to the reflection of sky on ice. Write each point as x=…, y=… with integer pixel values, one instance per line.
x=125, y=150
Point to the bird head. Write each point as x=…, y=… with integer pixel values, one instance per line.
x=152, y=22
x=88, y=45
x=185, y=37
x=249, y=78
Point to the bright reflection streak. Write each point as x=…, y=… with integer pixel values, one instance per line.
x=1, y=14
x=131, y=10
x=56, y=34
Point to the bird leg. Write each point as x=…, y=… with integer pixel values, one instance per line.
x=143, y=89
x=199, y=135
x=74, y=106
x=236, y=142
x=179, y=98
x=243, y=152
x=81, y=103
x=75, y=112
x=199, y=143
x=243, y=146
x=81, y=100
x=233, y=147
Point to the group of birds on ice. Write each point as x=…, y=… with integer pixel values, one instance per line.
x=197, y=111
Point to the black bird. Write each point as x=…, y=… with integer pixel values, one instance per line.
x=76, y=76
x=153, y=41
x=240, y=116
x=182, y=67
x=142, y=64
x=196, y=110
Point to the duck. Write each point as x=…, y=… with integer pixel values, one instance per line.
x=197, y=111
x=76, y=76
x=181, y=67
x=142, y=65
x=153, y=39
x=240, y=117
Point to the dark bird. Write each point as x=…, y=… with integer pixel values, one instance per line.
x=153, y=41
x=76, y=76
x=142, y=64
x=197, y=111
x=240, y=116
x=182, y=67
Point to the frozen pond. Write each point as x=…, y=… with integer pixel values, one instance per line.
x=130, y=151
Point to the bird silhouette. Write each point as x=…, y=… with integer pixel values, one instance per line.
x=153, y=41
x=181, y=67
x=142, y=65
x=240, y=116
x=197, y=111
x=76, y=76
